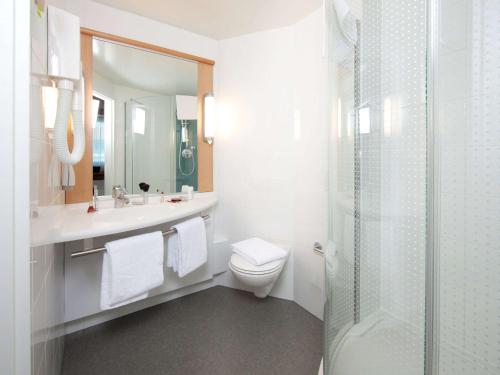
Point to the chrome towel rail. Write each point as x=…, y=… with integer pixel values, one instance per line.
x=103, y=249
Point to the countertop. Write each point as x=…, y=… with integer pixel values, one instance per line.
x=71, y=222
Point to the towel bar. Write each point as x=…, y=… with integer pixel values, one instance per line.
x=102, y=249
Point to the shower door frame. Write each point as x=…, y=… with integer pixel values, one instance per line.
x=357, y=178
x=431, y=365
x=356, y=269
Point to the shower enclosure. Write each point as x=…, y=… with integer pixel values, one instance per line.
x=186, y=139
x=150, y=143
x=413, y=270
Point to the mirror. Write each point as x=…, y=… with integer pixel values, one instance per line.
x=145, y=119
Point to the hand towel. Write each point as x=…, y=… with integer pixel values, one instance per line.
x=258, y=251
x=187, y=249
x=130, y=268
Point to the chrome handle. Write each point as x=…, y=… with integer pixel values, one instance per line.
x=318, y=249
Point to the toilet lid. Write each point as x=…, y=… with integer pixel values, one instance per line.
x=240, y=263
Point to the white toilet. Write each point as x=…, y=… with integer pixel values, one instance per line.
x=260, y=278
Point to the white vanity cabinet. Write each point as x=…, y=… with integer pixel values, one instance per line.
x=78, y=231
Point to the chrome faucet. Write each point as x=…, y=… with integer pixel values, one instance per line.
x=118, y=194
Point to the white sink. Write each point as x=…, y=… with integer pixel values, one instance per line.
x=71, y=222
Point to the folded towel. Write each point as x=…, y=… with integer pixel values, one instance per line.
x=130, y=268
x=187, y=248
x=344, y=31
x=347, y=21
x=258, y=252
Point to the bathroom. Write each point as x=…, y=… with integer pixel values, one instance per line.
x=250, y=187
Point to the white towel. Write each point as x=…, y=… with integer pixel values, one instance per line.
x=345, y=32
x=130, y=268
x=258, y=252
x=187, y=248
x=347, y=21
x=173, y=251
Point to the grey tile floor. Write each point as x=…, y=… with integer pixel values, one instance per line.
x=217, y=331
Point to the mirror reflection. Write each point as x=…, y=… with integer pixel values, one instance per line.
x=145, y=112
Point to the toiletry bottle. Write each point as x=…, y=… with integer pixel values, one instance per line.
x=91, y=208
x=187, y=191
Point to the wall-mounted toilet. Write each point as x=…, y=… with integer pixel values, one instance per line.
x=259, y=277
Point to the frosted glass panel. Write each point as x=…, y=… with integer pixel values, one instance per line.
x=389, y=125
x=339, y=257
x=469, y=198
x=393, y=183
x=340, y=266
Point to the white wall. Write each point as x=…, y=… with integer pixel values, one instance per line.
x=311, y=154
x=47, y=275
x=253, y=146
x=271, y=146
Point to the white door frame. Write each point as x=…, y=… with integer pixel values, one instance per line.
x=15, y=322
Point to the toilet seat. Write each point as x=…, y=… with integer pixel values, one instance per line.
x=240, y=264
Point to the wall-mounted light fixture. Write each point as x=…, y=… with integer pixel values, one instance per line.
x=50, y=96
x=209, y=118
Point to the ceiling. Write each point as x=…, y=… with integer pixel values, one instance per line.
x=220, y=19
x=144, y=70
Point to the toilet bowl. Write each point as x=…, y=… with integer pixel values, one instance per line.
x=260, y=278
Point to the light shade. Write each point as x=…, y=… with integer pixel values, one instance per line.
x=187, y=107
x=49, y=100
x=209, y=118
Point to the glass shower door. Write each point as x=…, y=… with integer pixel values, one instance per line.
x=468, y=155
x=375, y=310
